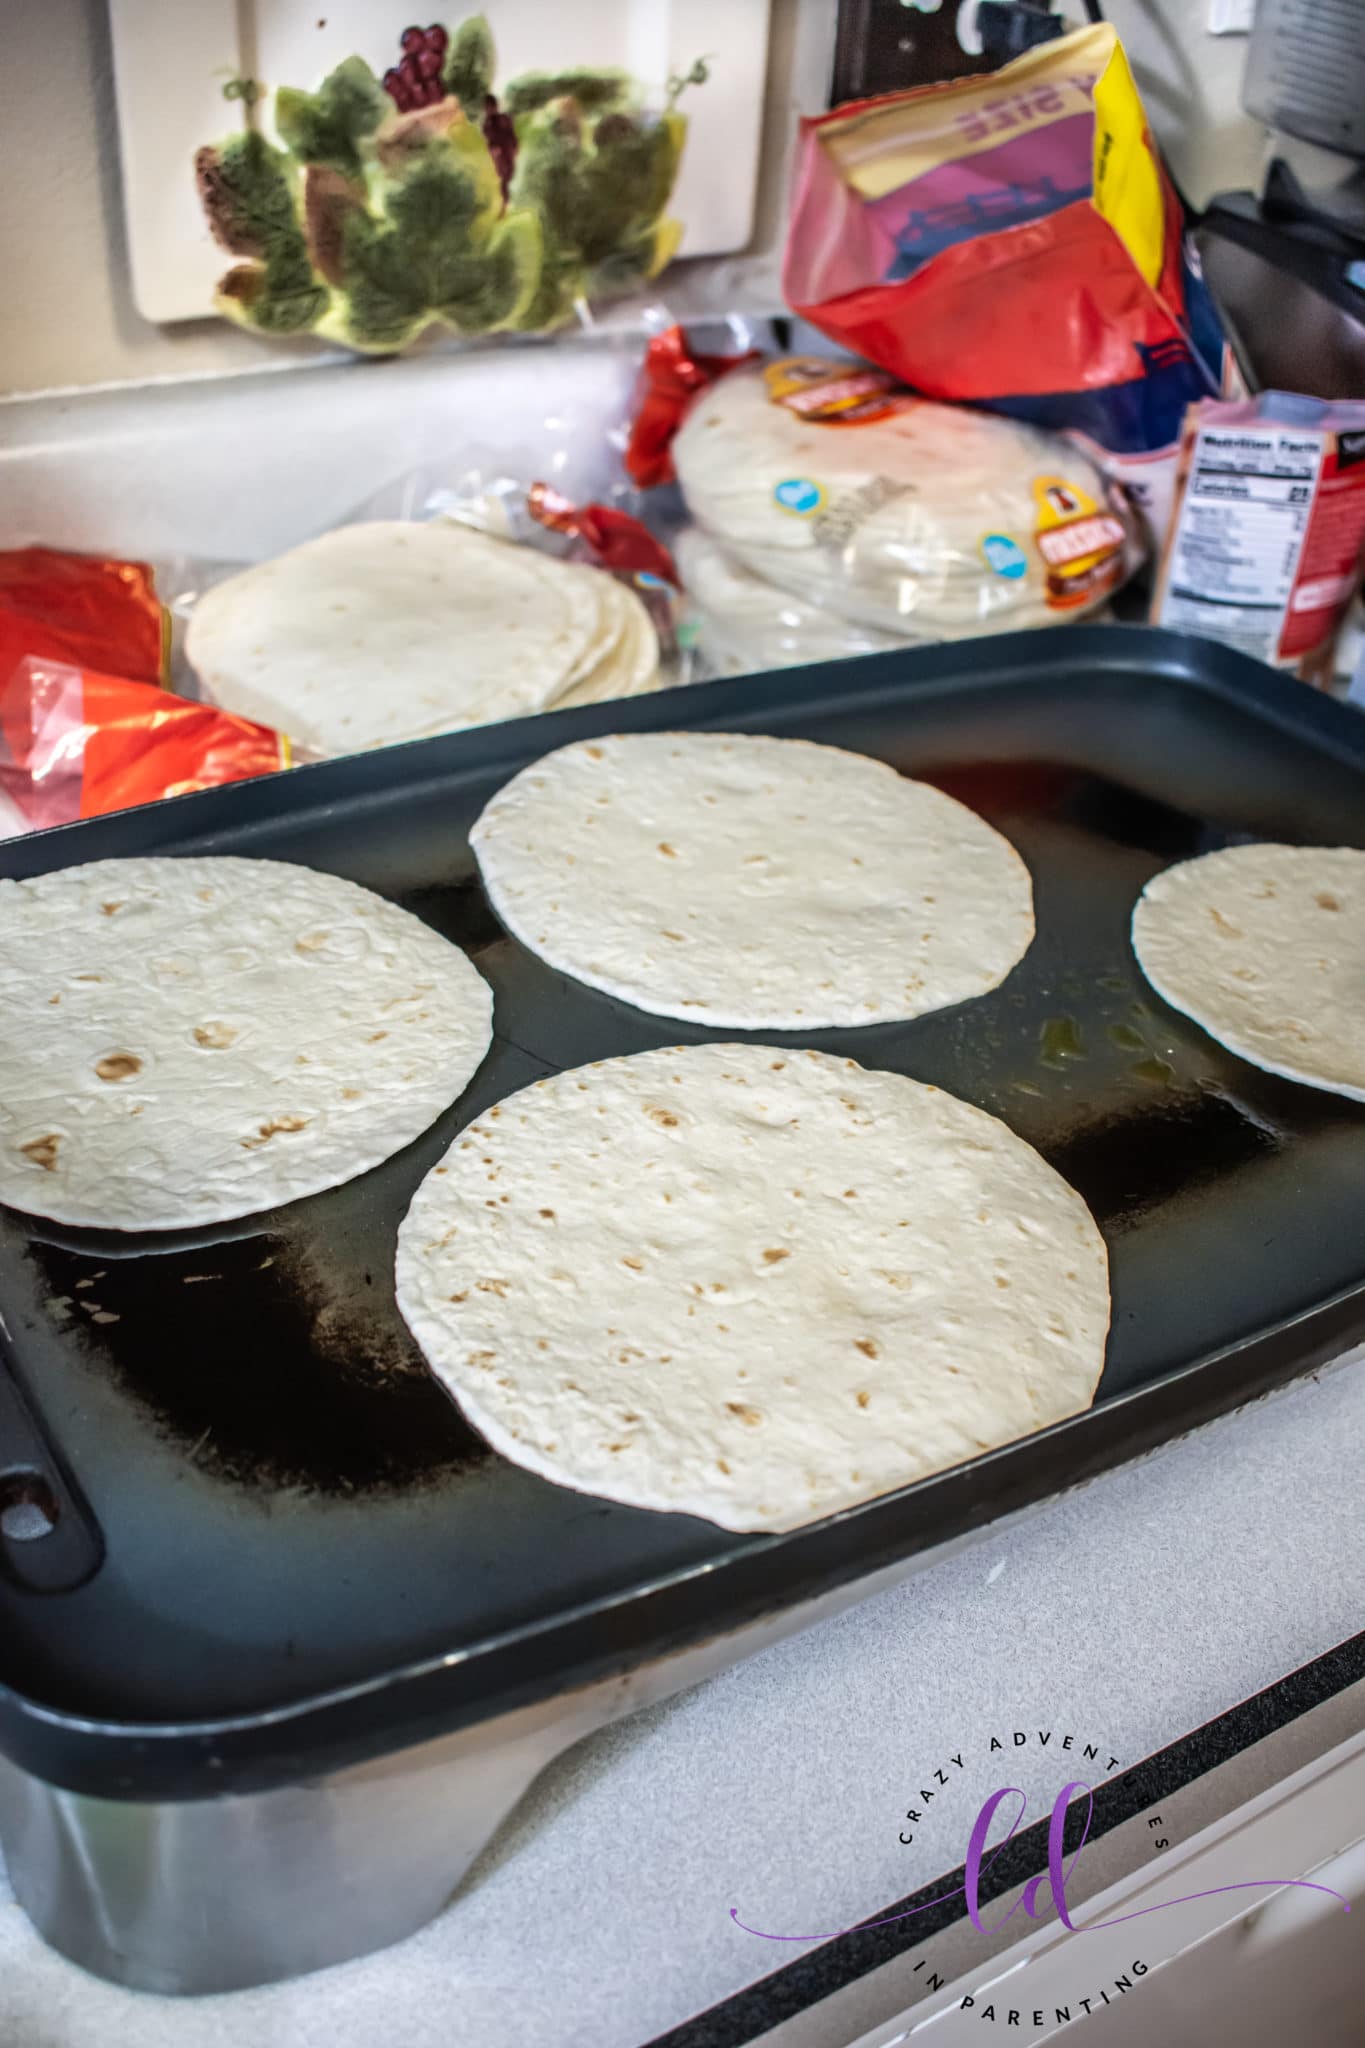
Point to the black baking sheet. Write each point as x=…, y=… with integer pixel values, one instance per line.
x=278, y=1545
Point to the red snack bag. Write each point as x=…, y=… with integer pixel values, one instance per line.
x=89, y=610
x=1013, y=241
x=75, y=743
x=674, y=372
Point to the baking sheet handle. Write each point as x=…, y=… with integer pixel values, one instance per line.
x=49, y=1540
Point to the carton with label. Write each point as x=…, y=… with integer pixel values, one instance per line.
x=1265, y=549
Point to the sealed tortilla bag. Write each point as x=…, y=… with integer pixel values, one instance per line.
x=877, y=508
x=1012, y=240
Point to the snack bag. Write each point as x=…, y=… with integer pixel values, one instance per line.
x=75, y=743
x=1265, y=549
x=89, y=610
x=1013, y=241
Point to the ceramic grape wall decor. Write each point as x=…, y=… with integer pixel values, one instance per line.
x=385, y=207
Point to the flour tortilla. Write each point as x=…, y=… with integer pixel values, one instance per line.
x=393, y=630
x=627, y=663
x=750, y=1284
x=1264, y=946
x=185, y=1041
x=906, y=502
x=759, y=883
x=750, y=624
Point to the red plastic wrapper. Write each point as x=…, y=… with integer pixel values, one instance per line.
x=613, y=539
x=75, y=743
x=674, y=372
x=90, y=611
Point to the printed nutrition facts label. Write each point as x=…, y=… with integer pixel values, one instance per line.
x=1236, y=549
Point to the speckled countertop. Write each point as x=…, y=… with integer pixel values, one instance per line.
x=1130, y=1612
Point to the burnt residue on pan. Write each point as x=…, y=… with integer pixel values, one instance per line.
x=266, y=1366
x=1127, y=1163
x=1092, y=804
x=1107, y=810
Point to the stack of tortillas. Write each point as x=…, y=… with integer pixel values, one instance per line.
x=920, y=519
x=1265, y=947
x=751, y=1284
x=185, y=1041
x=762, y=883
x=750, y=625
x=396, y=631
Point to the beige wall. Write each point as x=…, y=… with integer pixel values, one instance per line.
x=66, y=314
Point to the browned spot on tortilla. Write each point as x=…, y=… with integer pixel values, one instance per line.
x=863, y=1399
x=109, y=909
x=721, y=1466
x=267, y=1131
x=375, y=1037
x=1001, y=1281
x=636, y=1265
x=1224, y=925
x=773, y=1254
x=661, y=1116
x=216, y=1035
x=459, y=1297
x=610, y=1447
x=118, y=1066
x=544, y=1212
x=498, y=1287
x=1326, y=901
x=353, y=1095
x=670, y=851
x=54, y=999
x=849, y=1194
x=751, y=1416
x=676, y=937
x=593, y=753
x=867, y=1347
x=43, y=1151
x=311, y=941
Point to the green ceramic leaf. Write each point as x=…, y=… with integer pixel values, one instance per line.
x=328, y=126
x=470, y=65
x=549, y=178
x=247, y=194
x=632, y=263
x=499, y=281
x=385, y=305
x=594, y=91
x=625, y=183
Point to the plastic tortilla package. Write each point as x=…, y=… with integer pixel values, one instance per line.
x=832, y=483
